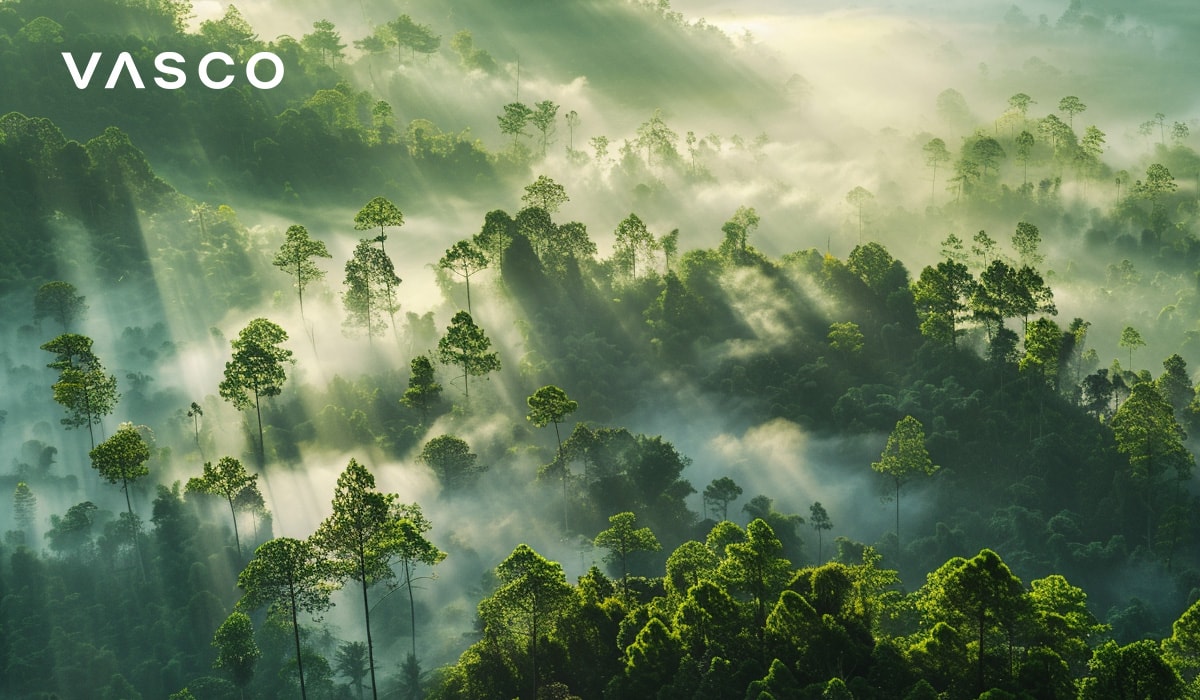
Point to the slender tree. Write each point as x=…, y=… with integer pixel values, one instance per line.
x=819, y=519
x=904, y=457
x=464, y=259
x=370, y=289
x=82, y=388
x=289, y=576
x=295, y=257
x=236, y=649
x=59, y=301
x=720, y=493
x=228, y=479
x=256, y=370
x=936, y=154
x=623, y=538
x=361, y=539
x=551, y=405
x=414, y=550
x=1132, y=339
x=466, y=346
x=123, y=458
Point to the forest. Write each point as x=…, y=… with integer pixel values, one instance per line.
x=503, y=352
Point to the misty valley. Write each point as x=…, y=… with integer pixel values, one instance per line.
x=570, y=350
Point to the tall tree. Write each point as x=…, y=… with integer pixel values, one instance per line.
x=123, y=458
x=543, y=119
x=370, y=289
x=551, y=405
x=860, y=198
x=295, y=257
x=382, y=213
x=464, y=259
x=423, y=390
x=361, y=539
x=414, y=550
x=719, y=494
x=59, y=301
x=623, y=538
x=1026, y=240
x=24, y=510
x=1025, y=145
x=82, y=388
x=256, y=370
x=755, y=568
x=325, y=42
x=1072, y=105
x=451, y=459
x=1132, y=339
x=289, y=576
x=819, y=519
x=904, y=457
x=236, y=650
x=533, y=596
x=512, y=122
x=404, y=33
x=466, y=346
x=936, y=154
x=633, y=242
x=942, y=295
x=495, y=235
x=228, y=479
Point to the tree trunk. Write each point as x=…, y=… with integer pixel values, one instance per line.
x=262, y=447
x=362, y=573
x=296, y=632
x=237, y=539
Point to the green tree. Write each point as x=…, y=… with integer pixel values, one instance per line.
x=1021, y=103
x=256, y=370
x=988, y=152
x=1025, y=145
x=737, y=231
x=1182, y=649
x=451, y=459
x=719, y=494
x=289, y=576
x=1146, y=431
x=547, y=405
x=623, y=538
x=464, y=259
x=755, y=568
x=466, y=346
x=404, y=33
x=1072, y=105
x=325, y=42
x=361, y=539
x=495, y=236
x=59, y=301
x=846, y=338
x=543, y=119
x=194, y=412
x=1159, y=182
x=382, y=213
x=24, y=510
x=1135, y=670
x=633, y=242
x=819, y=519
x=942, y=296
x=1043, y=350
x=936, y=154
x=236, y=649
x=295, y=258
x=1175, y=385
x=1026, y=241
x=546, y=194
x=532, y=598
x=423, y=390
x=414, y=550
x=370, y=289
x=860, y=198
x=228, y=479
x=512, y=122
x=82, y=388
x=1132, y=339
x=123, y=458
x=904, y=457
x=351, y=662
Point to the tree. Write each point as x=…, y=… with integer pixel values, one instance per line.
x=423, y=390
x=123, y=458
x=987, y=152
x=194, y=412
x=24, y=510
x=351, y=661
x=1025, y=145
x=466, y=345
x=360, y=539
x=228, y=479
x=1182, y=649
x=256, y=370
x=370, y=283
x=551, y=405
x=495, y=235
x=942, y=295
x=633, y=241
x=1175, y=385
x=464, y=259
x=1021, y=103
x=1130, y=338
x=1159, y=181
x=1071, y=105
x=754, y=567
x=414, y=550
x=543, y=118
x=860, y=199
x=904, y=457
x=572, y=119
x=324, y=41
x=59, y=301
x=533, y=596
x=404, y=33
x=452, y=461
x=845, y=338
x=1146, y=431
x=295, y=257
x=658, y=139
x=936, y=154
x=236, y=649
x=289, y=576
x=82, y=388
x=1136, y=670
x=382, y=213
x=621, y=539
x=546, y=194
x=512, y=122
x=737, y=231
x=819, y=519
x=1026, y=241
x=719, y=494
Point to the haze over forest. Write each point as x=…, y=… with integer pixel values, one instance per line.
x=690, y=350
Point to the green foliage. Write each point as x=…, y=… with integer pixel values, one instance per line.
x=452, y=461
x=83, y=388
x=59, y=301
x=256, y=370
x=236, y=650
x=228, y=479
x=904, y=457
x=1136, y=670
x=370, y=288
x=378, y=212
x=719, y=494
x=122, y=457
x=623, y=538
x=464, y=259
x=295, y=257
x=423, y=390
x=466, y=345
